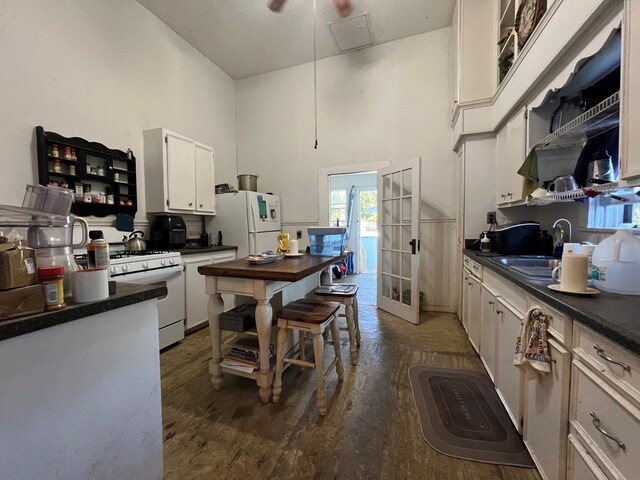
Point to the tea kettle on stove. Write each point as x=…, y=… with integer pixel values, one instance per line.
x=134, y=243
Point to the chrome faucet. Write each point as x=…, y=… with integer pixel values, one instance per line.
x=555, y=226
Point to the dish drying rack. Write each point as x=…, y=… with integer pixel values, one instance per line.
x=572, y=195
x=595, y=121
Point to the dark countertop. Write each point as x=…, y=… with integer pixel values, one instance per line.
x=126, y=294
x=196, y=250
x=617, y=317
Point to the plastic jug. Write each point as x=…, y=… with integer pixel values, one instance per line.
x=616, y=264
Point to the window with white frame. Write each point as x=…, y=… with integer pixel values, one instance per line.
x=338, y=207
x=608, y=212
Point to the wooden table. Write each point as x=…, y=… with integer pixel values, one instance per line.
x=261, y=282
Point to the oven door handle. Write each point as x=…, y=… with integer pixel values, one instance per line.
x=151, y=276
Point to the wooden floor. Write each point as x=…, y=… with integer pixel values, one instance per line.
x=371, y=429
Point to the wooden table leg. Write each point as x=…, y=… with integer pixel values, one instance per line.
x=264, y=317
x=215, y=306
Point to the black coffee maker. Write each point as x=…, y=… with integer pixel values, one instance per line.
x=168, y=232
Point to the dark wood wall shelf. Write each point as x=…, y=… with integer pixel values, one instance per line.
x=119, y=176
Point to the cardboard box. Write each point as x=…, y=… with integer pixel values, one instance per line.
x=17, y=268
x=21, y=301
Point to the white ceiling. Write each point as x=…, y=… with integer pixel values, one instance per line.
x=244, y=38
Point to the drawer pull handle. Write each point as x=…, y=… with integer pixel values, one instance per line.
x=596, y=423
x=499, y=312
x=491, y=302
x=600, y=352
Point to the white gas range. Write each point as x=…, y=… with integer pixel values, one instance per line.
x=151, y=267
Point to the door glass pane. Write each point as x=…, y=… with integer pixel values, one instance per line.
x=406, y=292
x=396, y=211
x=406, y=265
x=406, y=210
x=386, y=237
x=397, y=184
x=386, y=261
x=386, y=286
x=395, y=263
x=386, y=212
x=395, y=289
x=407, y=184
x=396, y=237
x=406, y=238
x=386, y=187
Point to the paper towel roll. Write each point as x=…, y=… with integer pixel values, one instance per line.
x=90, y=285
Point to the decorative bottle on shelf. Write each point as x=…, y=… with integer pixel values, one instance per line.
x=57, y=167
x=54, y=151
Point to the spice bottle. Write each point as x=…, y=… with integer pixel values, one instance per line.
x=72, y=170
x=67, y=153
x=57, y=166
x=74, y=156
x=79, y=191
x=54, y=151
x=51, y=279
x=97, y=251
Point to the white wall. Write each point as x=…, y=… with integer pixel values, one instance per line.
x=104, y=71
x=386, y=103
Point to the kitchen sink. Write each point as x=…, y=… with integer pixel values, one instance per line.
x=532, y=266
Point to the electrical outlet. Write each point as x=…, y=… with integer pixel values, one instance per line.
x=299, y=234
x=491, y=218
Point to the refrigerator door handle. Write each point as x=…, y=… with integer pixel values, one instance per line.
x=252, y=244
x=252, y=217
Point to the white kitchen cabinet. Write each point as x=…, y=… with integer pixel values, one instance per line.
x=179, y=174
x=204, y=174
x=474, y=322
x=630, y=92
x=508, y=378
x=196, y=298
x=580, y=465
x=488, y=331
x=546, y=415
x=473, y=41
x=512, y=139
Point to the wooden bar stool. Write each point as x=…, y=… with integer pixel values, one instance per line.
x=345, y=294
x=308, y=316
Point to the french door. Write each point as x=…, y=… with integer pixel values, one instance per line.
x=399, y=239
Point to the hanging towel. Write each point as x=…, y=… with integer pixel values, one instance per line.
x=531, y=345
x=529, y=170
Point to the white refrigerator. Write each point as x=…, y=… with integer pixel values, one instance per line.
x=248, y=220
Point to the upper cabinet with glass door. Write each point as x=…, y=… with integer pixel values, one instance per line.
x=517, y=22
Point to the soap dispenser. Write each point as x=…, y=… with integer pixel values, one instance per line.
x=485, y=243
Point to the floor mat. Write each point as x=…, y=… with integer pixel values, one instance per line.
x=461, y=416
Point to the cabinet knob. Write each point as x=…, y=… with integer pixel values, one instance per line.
x=201, y=205
x=490, y=302
x=503, y=196
x=509, y=194
x=499, y=312
x=191, y=204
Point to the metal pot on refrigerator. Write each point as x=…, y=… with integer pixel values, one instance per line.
x=248, y=182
